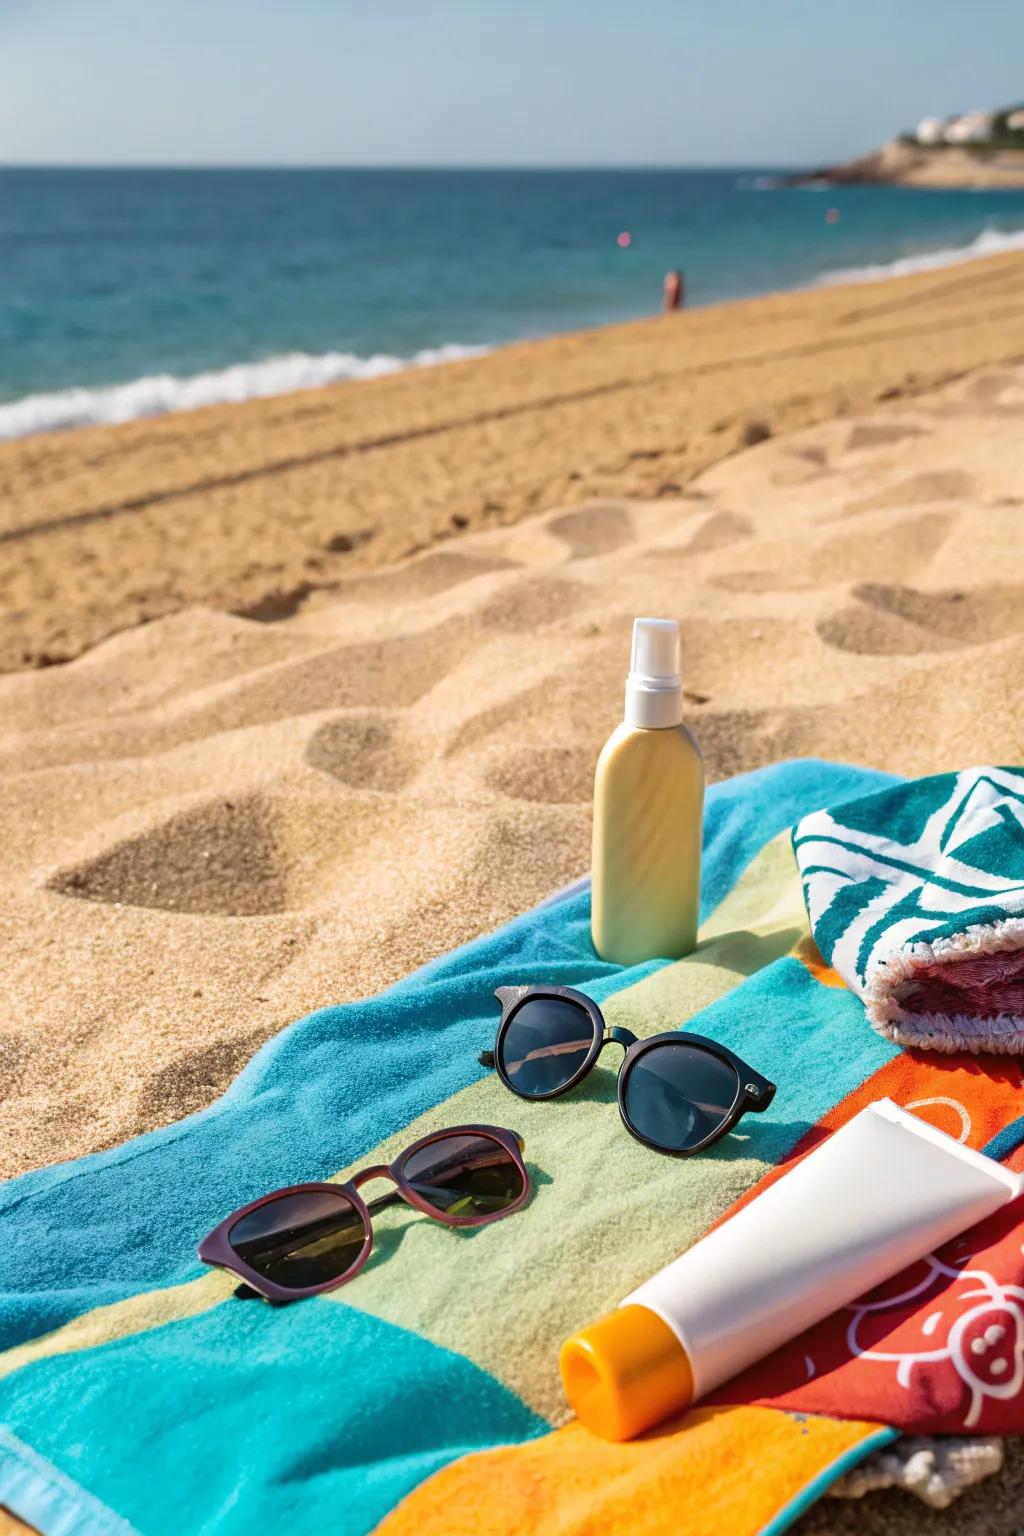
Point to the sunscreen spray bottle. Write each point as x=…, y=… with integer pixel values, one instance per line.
x=648, y=813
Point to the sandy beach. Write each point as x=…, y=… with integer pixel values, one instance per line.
x=385, y=635
x=254, y=508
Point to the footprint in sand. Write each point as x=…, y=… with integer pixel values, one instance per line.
x=994, y=388
x=879, y=434
x=529, y=603
x=799, y=465
x=599, y=528
x=901, y=621
x=552, y=775
x=930, y=485
x=555, y=709
x=391, y=672
x=823, y=559
x=195, y=1078
x=732, y=738
x=718, y=531
x=426, y=576
x=222, y=855
x=15, y=1054
x=256, y=854
x=364, y=751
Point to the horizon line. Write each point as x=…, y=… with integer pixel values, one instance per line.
x=396, y=165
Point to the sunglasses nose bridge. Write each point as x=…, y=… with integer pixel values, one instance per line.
x=616, y=1035
x=378, y=1171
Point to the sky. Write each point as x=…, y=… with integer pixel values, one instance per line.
x=490, y=82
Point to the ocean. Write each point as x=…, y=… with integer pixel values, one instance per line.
x=127, y=293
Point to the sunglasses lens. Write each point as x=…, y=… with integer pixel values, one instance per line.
x=300, y=1240
x=467, y=1175
x=545, y=1045
x=677, y=1095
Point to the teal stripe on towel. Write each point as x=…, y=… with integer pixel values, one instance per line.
x=312, y=1417
x=808, y=1039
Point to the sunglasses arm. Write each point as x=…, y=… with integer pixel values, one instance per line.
x=507, y=996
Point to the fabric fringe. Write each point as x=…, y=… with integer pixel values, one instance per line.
x=1001, y=1033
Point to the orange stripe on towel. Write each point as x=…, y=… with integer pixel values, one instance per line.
x=714, y=1471
x=807, y=952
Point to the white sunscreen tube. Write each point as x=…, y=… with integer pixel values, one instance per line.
x=879, y=1194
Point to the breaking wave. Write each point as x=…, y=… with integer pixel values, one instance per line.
x=160, y=393
x=991, y=242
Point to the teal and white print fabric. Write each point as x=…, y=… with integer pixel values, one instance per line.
x=915, y=896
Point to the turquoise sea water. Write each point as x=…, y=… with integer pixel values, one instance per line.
x=125, y=293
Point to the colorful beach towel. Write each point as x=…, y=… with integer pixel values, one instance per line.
x=916, y=897
x=138, y=1395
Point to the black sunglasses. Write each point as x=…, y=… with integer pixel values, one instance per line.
x=678, y=1092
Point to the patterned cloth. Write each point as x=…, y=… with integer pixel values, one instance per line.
x=916, y=897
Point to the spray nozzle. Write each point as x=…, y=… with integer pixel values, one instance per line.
x=654, y=690
x=656, y=652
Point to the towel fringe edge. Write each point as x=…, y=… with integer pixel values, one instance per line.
x=1001, y=1033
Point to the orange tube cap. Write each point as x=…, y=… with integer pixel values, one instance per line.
x=625, y=1373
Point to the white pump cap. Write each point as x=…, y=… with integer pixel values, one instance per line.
x=654, y=689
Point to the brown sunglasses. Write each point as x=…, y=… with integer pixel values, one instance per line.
x=310, y=1238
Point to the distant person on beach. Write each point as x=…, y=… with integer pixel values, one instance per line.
x=674, y=291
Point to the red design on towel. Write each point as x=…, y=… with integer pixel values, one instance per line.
x=937, y=1349
x=940, y=1347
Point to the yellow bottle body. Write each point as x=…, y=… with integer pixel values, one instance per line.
x=648, y=816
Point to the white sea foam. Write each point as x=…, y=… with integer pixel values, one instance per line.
x=163, y=392
x=989, y=243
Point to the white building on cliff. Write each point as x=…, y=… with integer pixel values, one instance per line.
x=975, y=127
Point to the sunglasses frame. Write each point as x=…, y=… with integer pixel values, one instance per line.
x=754, y=1092
x=216, y=1248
